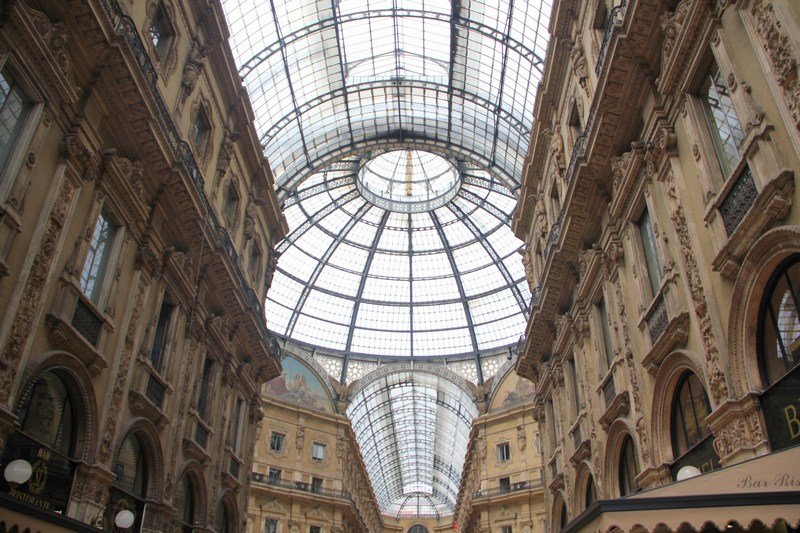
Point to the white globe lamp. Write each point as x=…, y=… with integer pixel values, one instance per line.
x=17, y=472
x=124, y=519
x=688, y=472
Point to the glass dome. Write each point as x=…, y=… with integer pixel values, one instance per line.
x=408, y=181
x=369, y=281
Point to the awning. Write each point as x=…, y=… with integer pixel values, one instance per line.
x=764, y=489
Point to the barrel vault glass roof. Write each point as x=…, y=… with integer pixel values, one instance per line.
x=396, y=131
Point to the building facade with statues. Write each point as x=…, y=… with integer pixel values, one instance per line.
x=659, y=211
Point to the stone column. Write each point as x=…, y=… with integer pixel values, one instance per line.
x=739, y=430
x=90, y=493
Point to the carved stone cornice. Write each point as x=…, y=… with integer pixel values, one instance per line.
x=682, y=29
x=619, y=407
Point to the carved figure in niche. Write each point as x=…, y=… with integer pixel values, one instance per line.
x=527, y=263
x=249, y=220
x=192, y=69
x=272, y=264
x=137, y=178
x=557, y=153
x=225, y=154
x=578, y=62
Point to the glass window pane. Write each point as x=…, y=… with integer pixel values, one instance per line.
x=650, y=252
x=723, y=124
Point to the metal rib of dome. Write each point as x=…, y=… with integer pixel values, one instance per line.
x=360, y=279
x=328, y=78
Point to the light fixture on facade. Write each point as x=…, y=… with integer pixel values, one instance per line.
x=17, y=472
x=124, y=519
x=688, y=472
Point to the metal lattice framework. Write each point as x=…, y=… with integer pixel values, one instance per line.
x=413, y=472
x=371, y=276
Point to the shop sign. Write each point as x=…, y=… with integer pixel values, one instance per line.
x=781, y=408
x=51, y=480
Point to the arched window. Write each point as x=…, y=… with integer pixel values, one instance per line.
x=779, y=327
x=418, y=528
x=185, y=504
x=131, y=467
x=628, y=467
x=130, y=486
x=223, y=520
x=48, y=438
x=691, y=442
x=562, y=515
x=48, y=414
x=590, y=492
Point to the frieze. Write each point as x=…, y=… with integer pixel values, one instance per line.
x=38, y=273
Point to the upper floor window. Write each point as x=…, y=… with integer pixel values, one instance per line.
x=505, y=484
x=160, y=30
x=576, y=393
x=14, y=108
x=203, y=400
x=315, y=529
x=274, y=475
x=779, y=327
x=628, y=468
x=650, y=250
x=185, y=504
x=235, y=433
x=605, y=326
x=506, y=529
x=131, y=467
x=222, y=518
x=201, y=127
x=318, y=451
x=98, y=258
x=590, y=492
x=418, y=528
x=503, y=452
x=270, y=525
x=231, y=208
x=316, y=484
x=276, y=441
x=723, y=123
x=255, y=262
x=160, y=339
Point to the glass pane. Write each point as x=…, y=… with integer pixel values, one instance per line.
x=650, y=252
x=780, y=323
x=723, y=123
x=14, y=106
x=96, y=260
x=47, y=415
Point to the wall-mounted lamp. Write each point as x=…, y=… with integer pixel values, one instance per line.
x=124, y=519
x=17, y=472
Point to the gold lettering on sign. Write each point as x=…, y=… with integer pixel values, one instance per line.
x=27, y=498
x=790, y=412
x=39, y=477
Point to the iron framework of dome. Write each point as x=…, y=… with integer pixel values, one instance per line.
x=396, y=131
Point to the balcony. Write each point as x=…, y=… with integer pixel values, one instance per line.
x=512, y=488
x=301, y=486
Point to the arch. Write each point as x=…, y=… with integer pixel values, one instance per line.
x=617, y=433
x=772, y=248
x=80, y=388
x=147, y=433
x=559, y=515
x=301, y=384
x=512, y=389
x=417, y=528
x=227, y=502
x=674, y=366
x=583, y=474
x=193, y=471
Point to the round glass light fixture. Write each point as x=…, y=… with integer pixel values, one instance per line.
x=687, y=472
x=124, y=519
x=17, y=472
x=408, y=181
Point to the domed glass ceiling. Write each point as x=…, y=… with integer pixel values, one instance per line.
x=358, y=278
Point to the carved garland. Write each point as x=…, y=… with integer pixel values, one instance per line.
x=716, y=378
x=781, y=54
x=121, y=381
x=31, y=294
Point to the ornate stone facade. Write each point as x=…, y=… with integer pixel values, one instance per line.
x=114, y=256
x=688, y=240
